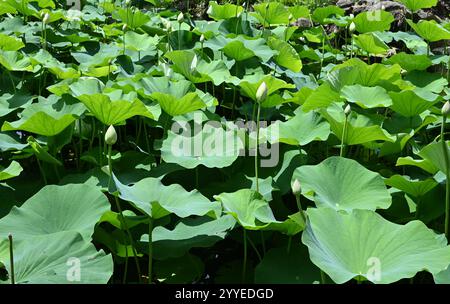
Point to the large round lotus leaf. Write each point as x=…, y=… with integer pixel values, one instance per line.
x=366, y=97
x=10, y=43
x=280, y=266
x=11, y=171
x=178, y=106
x=48, y=117
x=371, y=44
x=62, y=258
x=301, y=129
x=157, y=200
x=287, y=56
x=360, y=129
x=430, y=30
x=212, y=147
x=322, y=13
x=410, y=62
x=415, y=5
x=409, y=104
x=416, y=188
x=226, y=11
x=271, y=13
x=434, y=154
x=373, y=21
x=343, y=184
x=249, y=85
x=248, y=207
x=54, y=209
x=12, y=61
x=363, y=244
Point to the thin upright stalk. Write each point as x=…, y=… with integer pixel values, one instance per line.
x=150, y=251
x=11, y=259
x=344, y=136
x=300, y=209
x=447, y=174
x=122, y=218
x=257, y=147
x=244, y=262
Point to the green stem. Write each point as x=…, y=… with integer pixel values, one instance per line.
x=11, y=259
x=344, y=136
x=150, y=251
x=289, y=244
x=255, y=249
x=299, y=206
x=447, y=174
x=322, y=277
x=12, y=80
x=42, y=171
x=244, y=263
x=257, y=147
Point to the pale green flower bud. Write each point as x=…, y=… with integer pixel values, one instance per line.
x=110, y=136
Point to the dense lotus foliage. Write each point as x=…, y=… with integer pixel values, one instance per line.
x=265, y=143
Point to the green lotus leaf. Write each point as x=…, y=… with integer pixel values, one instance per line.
x=343, y=184
x=213, y=147
x=14, y=169
x=300, y=130
x=9, y=43
x=199, y=71
x=321, y=97
x=410, y=62
x=47, y=117
x=434, y=154
x=248, y=207
x=416, y=188
x=225, y=11
x=11, y=102
x=360, y=129
x=430, y=30
x=287, y=56
x=249, y=85
x=416, y=5
x=293, y=225
x=271, y=13
x=280, y=266
x=54, y=66
x=41, y=152
x=178, y=106
x=420, y=163
x=409, y=104
x=157, y=200
x=63, y=258
x=10, y=142
x=366, y=97
x=192, y=234
x=133, y=18
x=113, y=106
x=299, y=11
x=75, y=208
x=14, y=61
x=139, y=43
x=362, y=244
x=322, y=13
x=371, y=44
x=373, y=21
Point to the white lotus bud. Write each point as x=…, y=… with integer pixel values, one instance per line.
x=46, y=18
x=127, y=2
x=302, y=39
x=180, y=18
x=347, y=110
x=296, y=188
x=352, y=27
x=110, y=136
x=202, y=38
x=446, y=109
x=194, y=63
x=290, y=17
x=352, y=16
x=124, y=27
x=261, y=93
x=209, y=10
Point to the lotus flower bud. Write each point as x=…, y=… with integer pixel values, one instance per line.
x=202, y=38
x=124, y=27
x=302, y=39
x=267, y=5
x=127, y=2
x=46, y=18
x=180, y=18
x=110, y=136
x=194, y=63
x=261, y=93
x=296, y=189
x=352, y=27
x=290, y=17
x=347, y=110
x=352, y=16
x=446, y=109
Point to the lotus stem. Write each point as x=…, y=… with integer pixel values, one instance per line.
x=344, y=131
x=244, y=262
x=289, y=244
x=257, y=147
x=150, y=250
x=447, y=174
x=299, y=206
x=42, y=171
x=122, y=218
x=11, y=259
